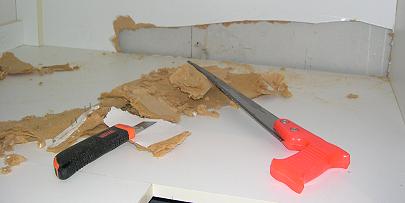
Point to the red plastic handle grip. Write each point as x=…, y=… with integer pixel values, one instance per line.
x=315, y=156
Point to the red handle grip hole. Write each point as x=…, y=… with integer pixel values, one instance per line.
x=315, y=156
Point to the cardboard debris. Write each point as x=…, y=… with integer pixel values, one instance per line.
x=93, y=125
x=160, y=149
x=190, y=81
x=39, y=129
x=55, y=68
x=203, y=111
x=166, y=93
x=158, y=95
x=352, y=96
x=10, y=161
x=276, y=82
x=14, y=160
x=159, y=139
x=33, y=128
x=11, y=65
x=5, y=170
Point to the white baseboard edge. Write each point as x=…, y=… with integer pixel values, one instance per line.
x=187, y=195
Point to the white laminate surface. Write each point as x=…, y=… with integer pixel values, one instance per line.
x=227, y=156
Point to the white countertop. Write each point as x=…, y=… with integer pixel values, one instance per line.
x=225, y=159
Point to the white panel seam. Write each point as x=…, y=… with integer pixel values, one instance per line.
x=15, y=9
x=368, y=51
x=40, y=22
x=191, y=42
x=384, y=69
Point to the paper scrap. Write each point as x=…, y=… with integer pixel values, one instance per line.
x=64, y=135
x=161, y=130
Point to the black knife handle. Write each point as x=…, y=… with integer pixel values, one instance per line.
x=70, y=160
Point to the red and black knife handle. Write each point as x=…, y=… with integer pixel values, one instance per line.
x=70, y=160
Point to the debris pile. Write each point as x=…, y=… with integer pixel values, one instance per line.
x=167, y=93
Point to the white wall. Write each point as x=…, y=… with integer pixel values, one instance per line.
x=11, y=36
x=88, y=24
x=27, y=12
x=348, y=47
x=397, y=68
x=8, y=12
x=11, y=31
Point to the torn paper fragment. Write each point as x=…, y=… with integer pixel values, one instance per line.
x=126, y=23
x=14, y=159
x=161, y=148
x=93, y=125
x=5, y=170
x=65, y=134
x=161, y=130
x=155, y=96
x=190, y=81
x=352, y=96
x=11, y=65
x=33, y=128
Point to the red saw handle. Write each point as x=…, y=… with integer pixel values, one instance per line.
x=314, y=157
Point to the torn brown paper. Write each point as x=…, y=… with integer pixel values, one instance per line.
x=190, y=81
x=93, y=125
x=10, y=161
x=167, y=93
x=160, y=94
x=5, y=170
x=33, y=128
x=39, y=129
x=352, y=96
x=14, y=160
x=162, y=148
x=125, y=23
x=276, y=82
x=227, y=24
x=202, y=26
x=11, y=65
x=55, y=68
x=158, y=139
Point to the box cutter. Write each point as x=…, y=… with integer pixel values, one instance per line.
x=315, y=155
x=70, y=160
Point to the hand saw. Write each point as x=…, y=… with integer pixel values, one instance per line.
x=315, y=155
